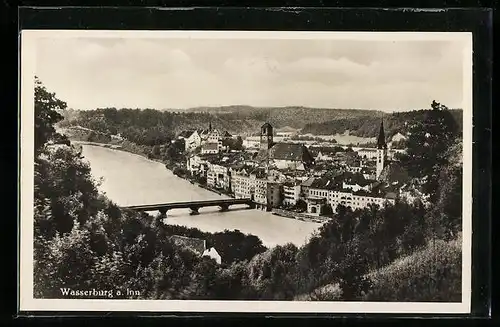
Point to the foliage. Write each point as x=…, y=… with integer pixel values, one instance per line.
x=301, y=205
x=47, y=108
x=427, y=146
x=432, y=274
x=368, y=125
x=233, y=246
x=233, y=143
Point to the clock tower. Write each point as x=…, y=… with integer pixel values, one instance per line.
x=266, y=136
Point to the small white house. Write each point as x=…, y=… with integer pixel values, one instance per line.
x=212, y=253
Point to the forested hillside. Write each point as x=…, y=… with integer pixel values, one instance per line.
x=295, y=117
x=368, y=126
x=135, y=124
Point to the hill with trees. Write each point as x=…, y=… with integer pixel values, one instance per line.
x=150, y=127
x=368, y=126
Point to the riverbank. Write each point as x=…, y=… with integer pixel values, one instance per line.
x=299, y=216
x=135, y=149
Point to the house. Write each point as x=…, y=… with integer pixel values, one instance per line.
x=291, y=193
x=367, y=153
x=191, y=139
x=305, y=186
x=361, y=199
x=356, y=182
x=210, y=148
x=282, y=155
x=197, y=246
x=398, y=137
x=219, y=175
x=203, y=133
x=212, y=253
x=325, y=154
x=291, y=156
x=315, y=206
x=255, y=183
x=286, y=132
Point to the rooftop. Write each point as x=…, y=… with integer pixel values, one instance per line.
x=210, y=146
x=186, y=134
x=290, y=151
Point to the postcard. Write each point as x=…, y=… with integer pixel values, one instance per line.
x=242, y=171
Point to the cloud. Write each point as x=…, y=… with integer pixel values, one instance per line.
x=89, y=73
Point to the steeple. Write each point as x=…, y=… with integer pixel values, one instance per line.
x=381, y=144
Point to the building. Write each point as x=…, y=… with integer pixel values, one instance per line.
x=381, y=151
x=367, y=153
x=359, y=199
x=219, y=175
x=255, y=184
x=350, y=190
x=191, y=138
x=282, y=155
x=305, y=186
x=291, y=193
x=197, y=246
x=326, y=154
x=212, y=253
x=274, y=195
x=210, y=148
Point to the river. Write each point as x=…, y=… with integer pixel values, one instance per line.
x=129, y=179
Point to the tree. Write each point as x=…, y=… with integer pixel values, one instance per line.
x=301, y=205
x=46, y=115
x=427, y=146
x=239, y=143
x=326, y=210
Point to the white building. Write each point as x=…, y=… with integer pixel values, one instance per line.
x=291, y=193
x=256, y=186
x=367, y=153
x=212, y=253
x=218, y=176
x=359, y=199
x=191, y=138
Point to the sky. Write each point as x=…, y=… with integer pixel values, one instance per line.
x=91, y=73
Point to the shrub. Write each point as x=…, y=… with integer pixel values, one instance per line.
x=430, y=275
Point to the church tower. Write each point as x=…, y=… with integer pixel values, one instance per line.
x=266, y=136
x=381, y=150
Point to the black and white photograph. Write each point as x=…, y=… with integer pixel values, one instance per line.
x=226, y=171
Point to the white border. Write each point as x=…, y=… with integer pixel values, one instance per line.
x=28, y=303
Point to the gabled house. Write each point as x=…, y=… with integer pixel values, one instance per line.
x=191, y=138
x=196, y=245
x=212, y=253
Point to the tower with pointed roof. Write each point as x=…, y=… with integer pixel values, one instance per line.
x=381, y=150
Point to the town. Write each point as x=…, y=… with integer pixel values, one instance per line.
x=292, y=179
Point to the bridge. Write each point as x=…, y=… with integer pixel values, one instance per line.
x=194, y=206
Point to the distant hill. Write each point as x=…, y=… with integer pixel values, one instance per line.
x=368, y=126
x=295, y=117
x=242, y=120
